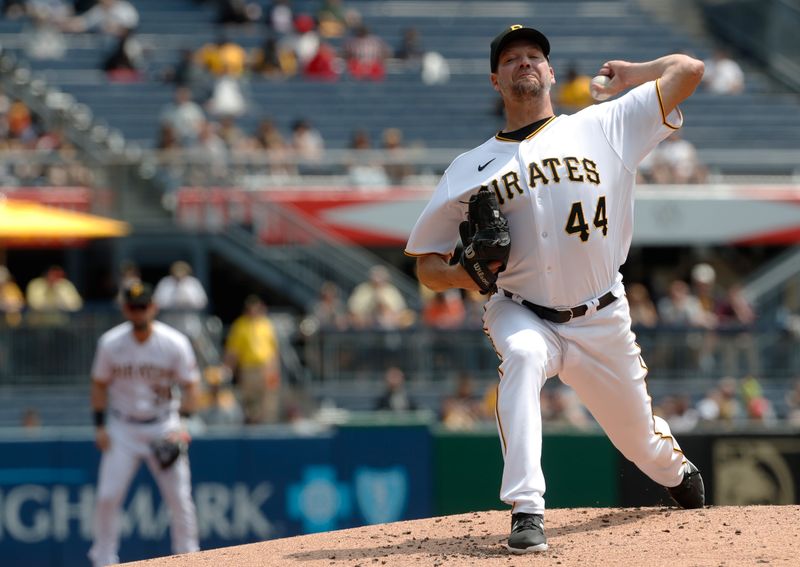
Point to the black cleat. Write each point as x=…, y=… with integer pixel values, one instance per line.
x=527, y=533
x=690, y=493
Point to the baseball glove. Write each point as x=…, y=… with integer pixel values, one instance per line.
x=485, y=238
x=167, y=450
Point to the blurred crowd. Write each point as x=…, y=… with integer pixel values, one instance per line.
x=201, y=134
x=246, y=384
x=732, y=402
x=21, y=129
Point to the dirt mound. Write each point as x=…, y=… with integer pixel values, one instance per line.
x=655, y=537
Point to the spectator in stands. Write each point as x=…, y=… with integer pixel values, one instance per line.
x=561, y=407
x=51, y=296
x=704, y=279
x=299, y=47
x=181, y=299
x=364, y=168
x=410, y=50
x=723, y=75
x=211, y=154
x=396, y=166
x=757, y=406
x=186, y=72
x=222, y=57
x=463, y=409
x=377, y=301
x=180, y=290
x=677, y=410
x=279, y=17
x=12, y=302
x=126, y=61
x=230, y=133
x=735, y=311
x=792, y=399
x=171, y=161
x=270, y=139
x=51, y=12
x=46, y=41
x=643, y=310
x=53, y=292
x=227, y=98
x=675, y=161
x=573, y=94
x=329, y=311
x=395, y=396
x=110, y=17
x=325, y=65
x=237, y=12
x=721, y=404
x=682, y=308
x=218, y=403
x=366, y=55
x=184, y=116
x=252, y=350
x=435, y=68
x=168, y=138
x=334, y=20
x=20, y=122
x=444, y=310
x=307, y=142
x=268, y=62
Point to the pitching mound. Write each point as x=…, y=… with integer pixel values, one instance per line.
x=715, y=536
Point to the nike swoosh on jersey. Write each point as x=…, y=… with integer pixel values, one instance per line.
x=482, y=167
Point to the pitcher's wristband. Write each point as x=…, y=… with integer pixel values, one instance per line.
x=99, y=418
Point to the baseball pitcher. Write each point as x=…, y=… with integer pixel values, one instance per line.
x=548, y=203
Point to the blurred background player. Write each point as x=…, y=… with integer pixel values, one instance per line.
x=138, y=370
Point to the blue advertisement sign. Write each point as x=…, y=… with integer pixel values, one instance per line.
x=246, y=489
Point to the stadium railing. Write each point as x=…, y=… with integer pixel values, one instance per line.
x=59, y=350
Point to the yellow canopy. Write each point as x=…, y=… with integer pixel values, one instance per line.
x=22, y=220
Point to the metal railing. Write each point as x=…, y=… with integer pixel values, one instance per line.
x=60, y=351
x=58, y=347
x=429, y=355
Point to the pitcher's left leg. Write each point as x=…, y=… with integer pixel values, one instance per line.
x=604, y=366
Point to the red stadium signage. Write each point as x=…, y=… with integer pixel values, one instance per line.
x=665, y=215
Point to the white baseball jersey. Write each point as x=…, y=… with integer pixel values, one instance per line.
x=141, y=376
x=568, y=198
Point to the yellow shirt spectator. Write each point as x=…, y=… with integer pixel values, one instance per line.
x=252, y=348
x=574, y=94
x=252, y=341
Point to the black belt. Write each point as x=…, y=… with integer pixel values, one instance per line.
x=137, y=420
x=557, y=316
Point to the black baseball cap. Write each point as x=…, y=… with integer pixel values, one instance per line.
x=138, y=294
x=517, y=31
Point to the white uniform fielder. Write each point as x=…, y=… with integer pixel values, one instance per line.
x=567, y=191
x=141, y=406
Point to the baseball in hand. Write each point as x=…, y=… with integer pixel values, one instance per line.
x=599, y=81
